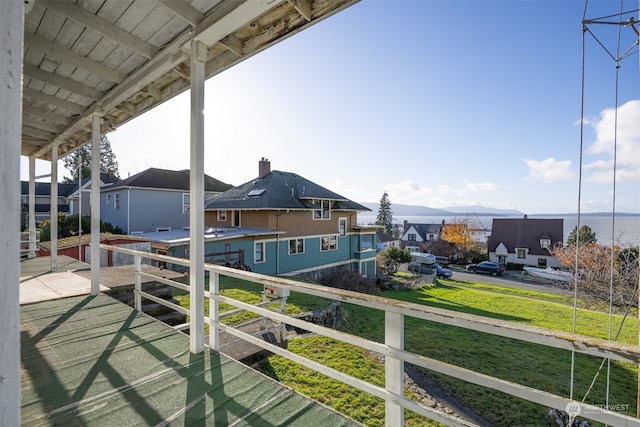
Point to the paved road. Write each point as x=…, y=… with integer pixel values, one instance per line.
x=513, y=279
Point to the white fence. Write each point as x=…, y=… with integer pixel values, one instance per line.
x=393, y=348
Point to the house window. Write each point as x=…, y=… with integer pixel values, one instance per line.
x=545, y=243
x=159, y=229
x=431, y=237
x=116, y=201
x=542, y=262
x=342, y=227
x=222, y=215
x=522, y=253
x=366, y=242
x=108, y=199
x=323, y=212
x=259, y=252
x=328, y=243
x=296, y=246
x=186, y=205
x=411, y=237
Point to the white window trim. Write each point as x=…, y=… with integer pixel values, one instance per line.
x=186, y=203
x=342, y=233
x=255, y=252
x=116, y=201
x=322, y=210
x=297, y=252
x=329, y=236
x=222, y=215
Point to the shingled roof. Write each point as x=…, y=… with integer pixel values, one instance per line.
x=168, y=179
x=423, y=230
x=44, y=188
x=280, y=190
x=525, y=233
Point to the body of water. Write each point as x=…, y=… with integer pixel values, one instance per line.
x=626, y=232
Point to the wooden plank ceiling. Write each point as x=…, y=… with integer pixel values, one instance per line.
x=120, y=58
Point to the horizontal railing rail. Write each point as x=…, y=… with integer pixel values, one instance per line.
x=393, y=349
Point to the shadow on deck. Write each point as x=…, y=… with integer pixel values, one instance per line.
x=93, y=361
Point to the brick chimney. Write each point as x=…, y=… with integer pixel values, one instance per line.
x=264, y=167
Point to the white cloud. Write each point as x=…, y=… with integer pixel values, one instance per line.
x=549, y=170
x=483, y=186
x=625, y=139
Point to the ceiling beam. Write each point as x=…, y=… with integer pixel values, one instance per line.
x=104, y=27
x=232, y=43
x=37, y=133
x=49, y=115
x=183, y=10
x=69, y=57
x=228, y=16
x=303, y=7
x=37, y=124
x=58, y=102
x=61, y=82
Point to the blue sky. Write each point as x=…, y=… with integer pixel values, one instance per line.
x=439, y=103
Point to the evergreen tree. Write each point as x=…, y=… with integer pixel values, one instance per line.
x=586, y=235
x=81, y=159
x=385, y=214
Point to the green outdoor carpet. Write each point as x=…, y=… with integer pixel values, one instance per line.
x=92, y=361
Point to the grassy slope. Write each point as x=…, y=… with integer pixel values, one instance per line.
x=524, y=363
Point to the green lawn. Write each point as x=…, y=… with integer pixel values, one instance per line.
x=528, y=364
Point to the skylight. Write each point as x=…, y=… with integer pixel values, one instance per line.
x=256, y=192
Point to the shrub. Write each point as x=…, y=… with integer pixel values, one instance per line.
x=349, y=280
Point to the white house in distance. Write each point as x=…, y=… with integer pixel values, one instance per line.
x=415, y=235
x=525, y=241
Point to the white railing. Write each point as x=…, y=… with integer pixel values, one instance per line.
x=393, y=348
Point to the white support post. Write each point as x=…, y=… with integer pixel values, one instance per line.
x=196, y=195
x=32, y=208
x=53, y=208
x=138, y=283
x=11, y=31
x=394, y=368
x=95, y=204
x=214, y=311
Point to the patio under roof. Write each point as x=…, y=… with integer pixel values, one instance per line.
x=72, y=70
x=119, y=59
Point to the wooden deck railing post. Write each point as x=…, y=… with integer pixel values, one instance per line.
x=138, y=282
x=214, y=313
x=393, y=367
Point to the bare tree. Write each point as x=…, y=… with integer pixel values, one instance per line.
x=603, y=272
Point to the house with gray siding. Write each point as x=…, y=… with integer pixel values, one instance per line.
x=43, y=200
x=153, y=200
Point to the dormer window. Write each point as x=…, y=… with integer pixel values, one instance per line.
x=545, y=243
x=323, y=212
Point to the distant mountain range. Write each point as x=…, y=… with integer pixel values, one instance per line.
x=415, y=210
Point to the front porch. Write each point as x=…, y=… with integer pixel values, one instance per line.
x=93, y=361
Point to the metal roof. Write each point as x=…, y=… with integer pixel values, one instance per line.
x=119, y=59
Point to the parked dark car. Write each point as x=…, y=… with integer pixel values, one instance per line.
x=441, y=272
x=488, y=267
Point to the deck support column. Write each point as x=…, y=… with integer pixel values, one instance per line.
x=394, y=368
x=53, y=208
x=196, y=195
x=32, y=208
x=95, y=204
x=11, y=33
